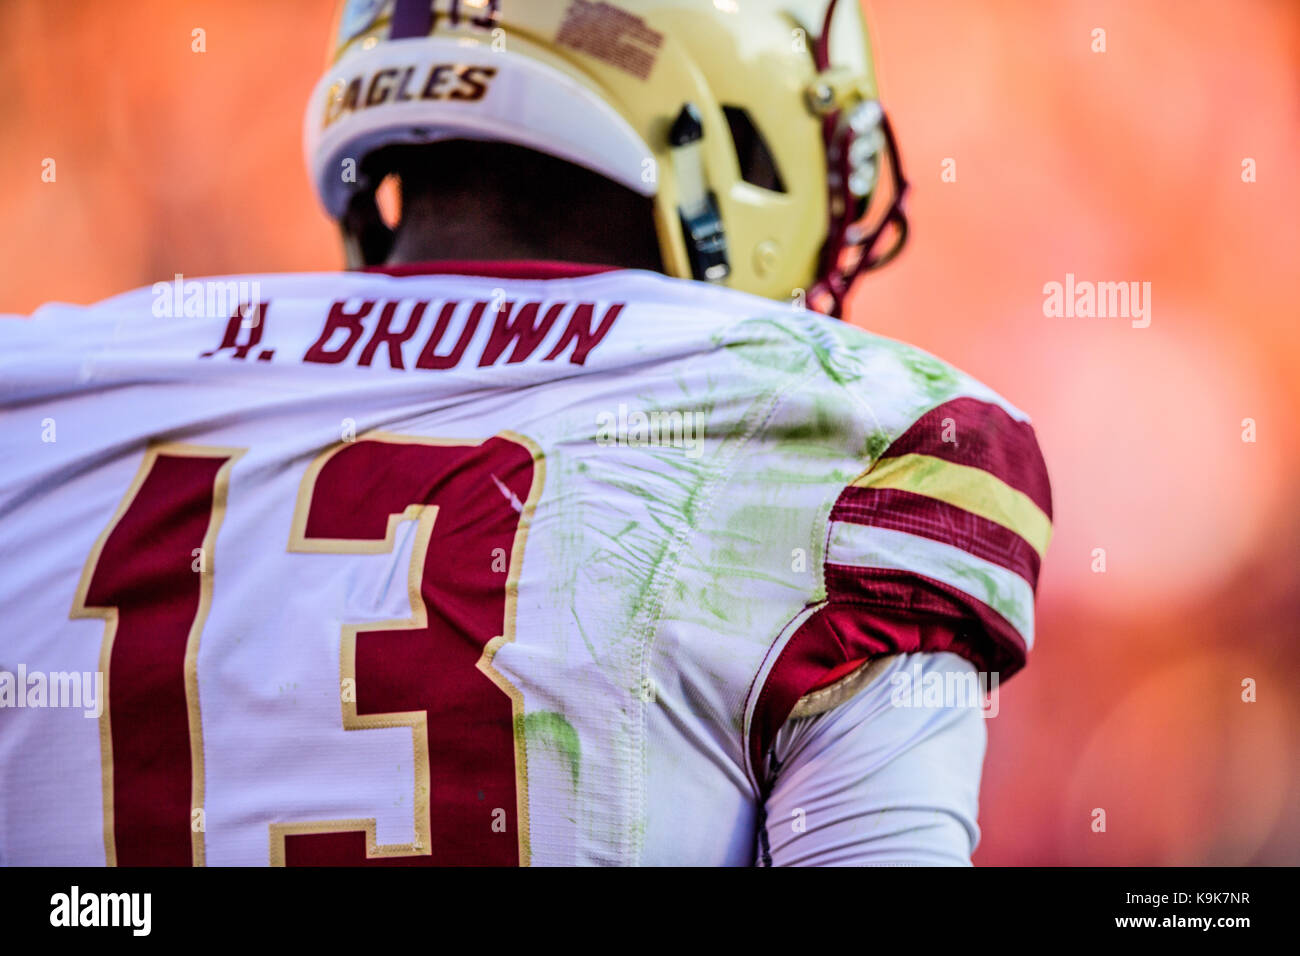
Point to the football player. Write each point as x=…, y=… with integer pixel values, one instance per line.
x=563, y=528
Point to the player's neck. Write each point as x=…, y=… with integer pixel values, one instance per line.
x=450, y=231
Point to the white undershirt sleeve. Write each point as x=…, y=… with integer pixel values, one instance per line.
x=888, y=777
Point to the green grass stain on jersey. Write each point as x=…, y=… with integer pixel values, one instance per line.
x=818, y=338
x=757, y=544
x=936, y=379
x=822, y=425
x=819, y=429
x=1006, y=605
x=551, y=731
x=757, y=523
x=877, y=443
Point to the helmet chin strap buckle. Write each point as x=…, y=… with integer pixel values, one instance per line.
x=706, y=243
x=706, y=240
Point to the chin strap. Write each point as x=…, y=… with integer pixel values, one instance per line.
x=706, y=240
x=857, y=136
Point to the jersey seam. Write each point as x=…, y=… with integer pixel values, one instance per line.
x=774, y=398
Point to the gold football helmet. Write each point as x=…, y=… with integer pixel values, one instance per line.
x=753, y=124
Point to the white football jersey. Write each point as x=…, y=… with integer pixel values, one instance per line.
x=463, y=568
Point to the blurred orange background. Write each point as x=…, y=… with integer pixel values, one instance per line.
x=1122, y=165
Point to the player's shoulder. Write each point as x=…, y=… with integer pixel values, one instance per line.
x=891, y=400
x=934, y=423
x=935, y=511
x=952, y=508
x=846, y=389
x=887, y=384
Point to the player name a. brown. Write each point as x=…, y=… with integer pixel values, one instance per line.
x=422, y=334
